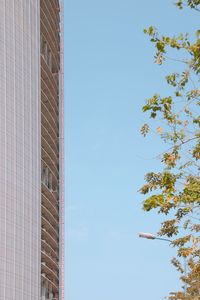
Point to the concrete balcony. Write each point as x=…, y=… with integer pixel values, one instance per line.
x=52, y=110
x=52, y=167
x=47, y=124
x=46, y=276
x=49, y=216
x=47, y=72
x=50, y=206
x=51, y=153
x=51, y=95
x=46, y=247
x=48, y=137
x=50, y=229
x=51, y=262
x=49, y=18
x=50, y=240
x=51, y=195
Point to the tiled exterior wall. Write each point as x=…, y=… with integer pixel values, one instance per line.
x=20, y=150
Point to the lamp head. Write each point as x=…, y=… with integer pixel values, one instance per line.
x=145, y=235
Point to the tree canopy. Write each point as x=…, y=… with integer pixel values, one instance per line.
x=175, y=191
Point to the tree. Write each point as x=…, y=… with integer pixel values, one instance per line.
x=175, y=191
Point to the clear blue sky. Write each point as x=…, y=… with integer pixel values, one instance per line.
x=109, y=72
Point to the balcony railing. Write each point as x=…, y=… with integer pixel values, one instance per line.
x=48, y=38
x=54, y=285
x=48, y=238
x=51, y=195
x=50, y=206
x=47, y=102
x=46, y=17
x=54, y=143
x=46, y=89
x=50, y=229
x=51, y=164
x=48, y=248
x=51, y=114
x=51, y=78
x=48, y=148
x=54, y=15
x=54, y=176
x=49, y=126
x=53, y=276
x=54, y=10
x=54, y=122
x=51, y=262
x=46, y=212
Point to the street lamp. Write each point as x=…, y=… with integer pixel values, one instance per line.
x=151, y=236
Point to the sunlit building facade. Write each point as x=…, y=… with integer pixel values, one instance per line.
x=31, y=150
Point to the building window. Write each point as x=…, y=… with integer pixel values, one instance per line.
x=50, y=185
x=43, y=46
x=46, y=53
x=49, y=60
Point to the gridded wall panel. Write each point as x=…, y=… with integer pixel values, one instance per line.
x=20, y=154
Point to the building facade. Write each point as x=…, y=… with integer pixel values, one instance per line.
x=31, y=150
x=51, y=146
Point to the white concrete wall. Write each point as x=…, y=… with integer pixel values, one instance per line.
x=20, y=156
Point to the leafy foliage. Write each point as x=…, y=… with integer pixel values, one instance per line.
x=175, y=192
x=190, y=3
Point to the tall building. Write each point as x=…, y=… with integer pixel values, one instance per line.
x=31, y=150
